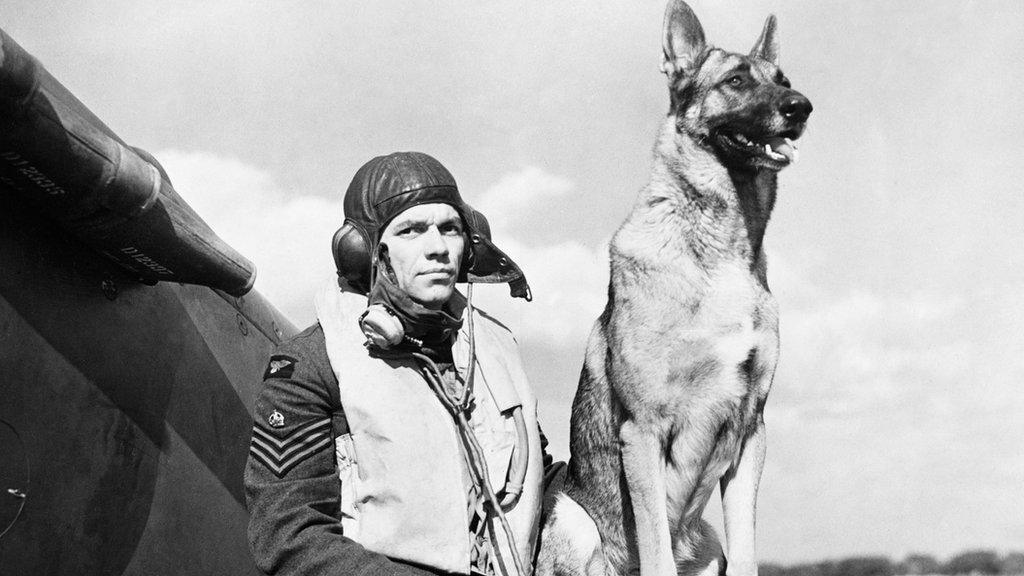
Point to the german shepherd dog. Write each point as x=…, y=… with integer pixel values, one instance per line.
x=679, y=365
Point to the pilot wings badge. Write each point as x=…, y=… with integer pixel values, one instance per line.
x=280, y=367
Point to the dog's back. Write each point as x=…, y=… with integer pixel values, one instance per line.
x=680, y=363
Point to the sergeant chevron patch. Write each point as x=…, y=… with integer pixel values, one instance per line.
x=280, y=455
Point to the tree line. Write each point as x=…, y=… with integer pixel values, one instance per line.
x=970, y=562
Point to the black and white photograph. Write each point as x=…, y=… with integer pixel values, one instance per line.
x=650, y=288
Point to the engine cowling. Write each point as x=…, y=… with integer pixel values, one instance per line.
x=64, y=161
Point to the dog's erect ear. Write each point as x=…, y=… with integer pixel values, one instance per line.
x=683, y=41
x=767, y=47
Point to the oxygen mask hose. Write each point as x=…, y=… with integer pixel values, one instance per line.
x=457, y=407
x=517, y=472
x=513, y=488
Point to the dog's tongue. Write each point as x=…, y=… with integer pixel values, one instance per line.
x=780, y=146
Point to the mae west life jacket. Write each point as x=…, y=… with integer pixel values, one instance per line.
x=403, y=482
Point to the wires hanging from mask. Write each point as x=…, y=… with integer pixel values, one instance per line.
x=457, y=406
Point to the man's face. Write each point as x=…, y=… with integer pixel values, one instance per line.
x=425, y=244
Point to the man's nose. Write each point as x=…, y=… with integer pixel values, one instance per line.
x=435, y=244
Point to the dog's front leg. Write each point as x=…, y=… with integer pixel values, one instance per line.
x=739, y=502
x=644, y=467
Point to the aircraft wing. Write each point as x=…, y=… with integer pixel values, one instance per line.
x=132, y=345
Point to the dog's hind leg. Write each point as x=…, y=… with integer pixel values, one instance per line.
x=570, y=543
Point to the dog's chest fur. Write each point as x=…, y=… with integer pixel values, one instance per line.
x=720, y=349
x=703, y=297
x=694, y=278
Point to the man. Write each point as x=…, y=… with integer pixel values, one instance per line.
x=398, y=434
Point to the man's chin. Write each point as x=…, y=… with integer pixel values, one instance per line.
x=434, y=297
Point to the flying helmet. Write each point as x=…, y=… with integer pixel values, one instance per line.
x=387, y=186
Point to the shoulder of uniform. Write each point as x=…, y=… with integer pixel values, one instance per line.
x=297, y=400
x=306, y=352
x=312, y=335
x=308, y=342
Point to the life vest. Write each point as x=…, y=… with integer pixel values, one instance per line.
x=403, y=481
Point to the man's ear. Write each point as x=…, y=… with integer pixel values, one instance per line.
x=383, y=260
x=683, y=39
x=767, y=46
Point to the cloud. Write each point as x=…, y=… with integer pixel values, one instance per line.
x=569, y=282
x=568, y=279
x=287, y=235
x=865, y=352
x=518, y=194
x=908, y=394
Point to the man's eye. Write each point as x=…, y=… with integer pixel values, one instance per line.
x=451, y=229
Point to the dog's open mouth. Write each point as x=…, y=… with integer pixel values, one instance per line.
x=780, y=150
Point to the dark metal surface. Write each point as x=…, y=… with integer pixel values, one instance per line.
x=130, y=402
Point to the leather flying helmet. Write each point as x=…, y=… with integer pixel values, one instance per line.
x=387, y=186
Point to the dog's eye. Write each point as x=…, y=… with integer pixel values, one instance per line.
x=735, y=81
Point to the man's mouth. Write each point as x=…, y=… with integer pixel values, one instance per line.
x=441, y=272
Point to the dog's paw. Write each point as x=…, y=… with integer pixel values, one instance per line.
x=738, y=568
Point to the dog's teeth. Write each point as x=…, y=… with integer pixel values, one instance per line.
x=768, y=150
x=790, y=143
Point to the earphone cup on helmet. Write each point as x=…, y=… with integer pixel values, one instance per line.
x=352, y=256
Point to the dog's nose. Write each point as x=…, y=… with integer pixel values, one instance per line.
x=796, y=108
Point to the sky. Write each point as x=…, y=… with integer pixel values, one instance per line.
x=896, y=417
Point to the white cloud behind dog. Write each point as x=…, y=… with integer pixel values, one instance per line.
x=911, y=398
